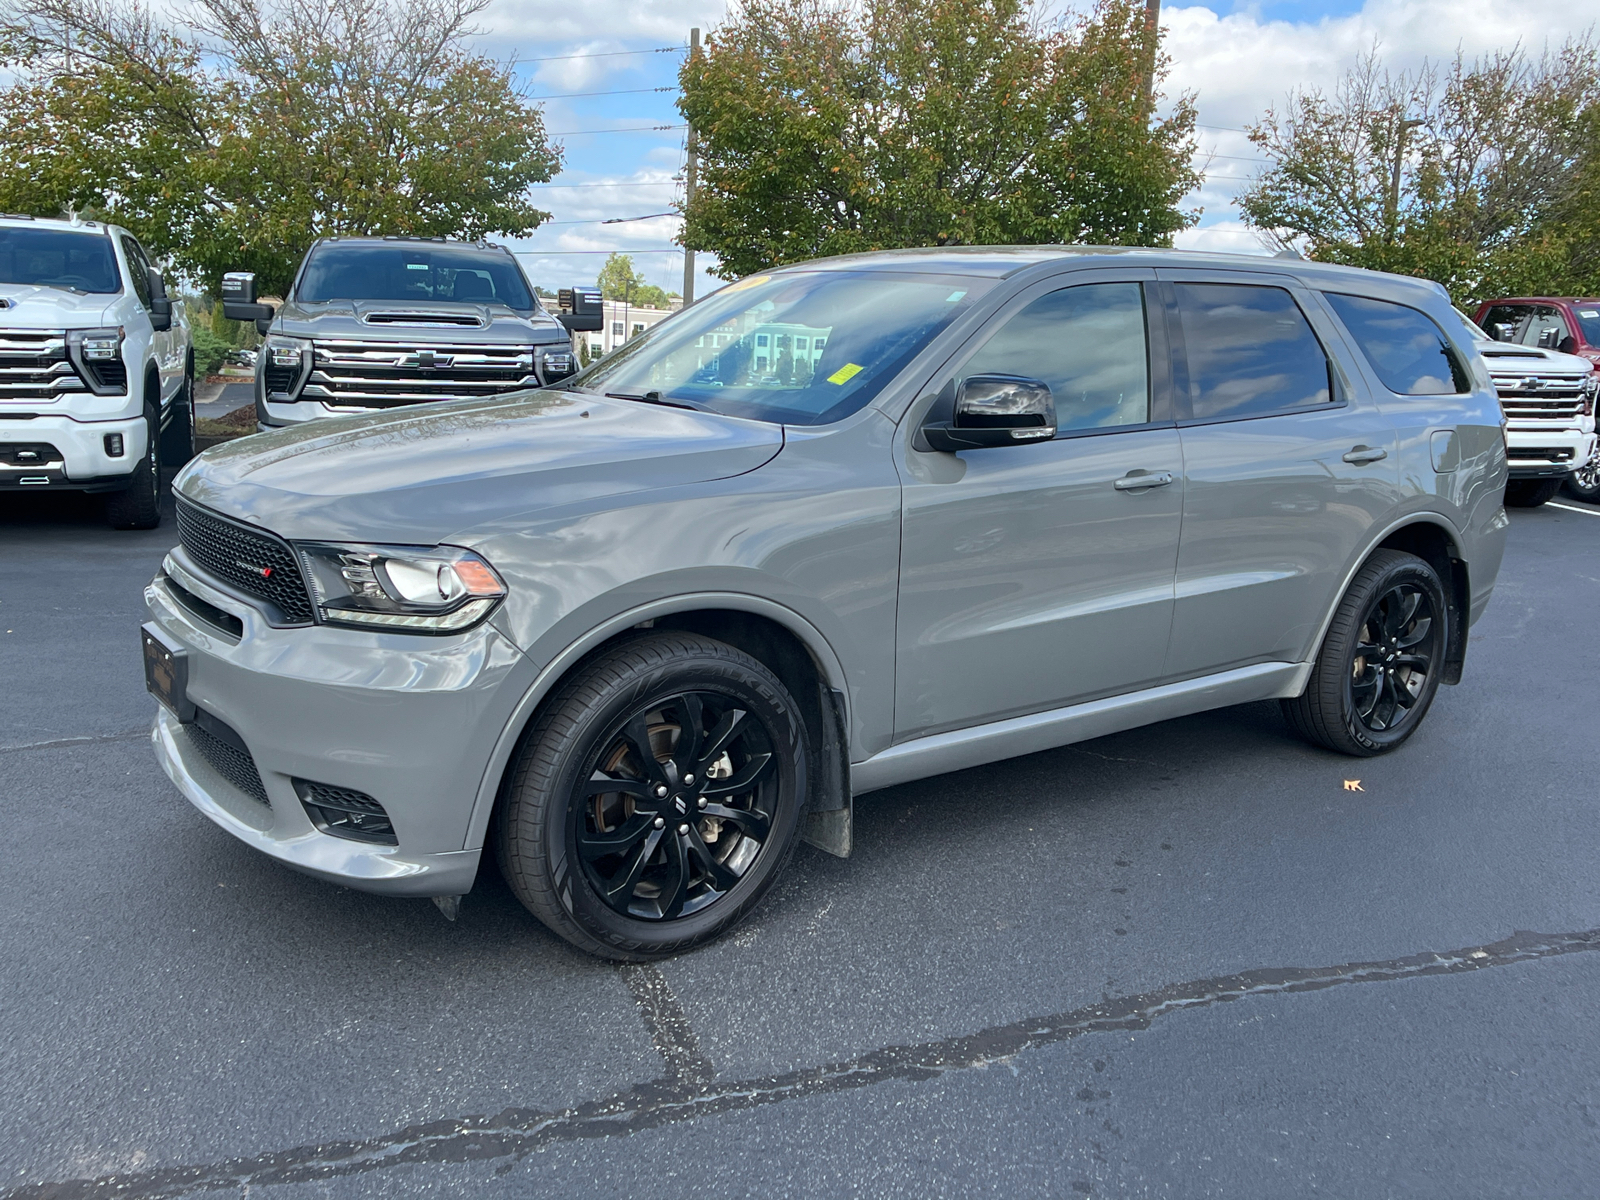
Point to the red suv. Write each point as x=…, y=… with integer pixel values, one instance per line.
x=1556, y=323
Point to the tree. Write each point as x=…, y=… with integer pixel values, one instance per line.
x=829, y=129
x=619, y=281
x=1454, y=176
x=234, y=140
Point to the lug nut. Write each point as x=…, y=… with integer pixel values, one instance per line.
x=660, y=822
x=703, y=802
x=683, y=828
x=661, y=790
x=689, y=778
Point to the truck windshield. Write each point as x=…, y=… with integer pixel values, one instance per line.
x=61, y=258
x=1588, y=314
x=800, y=347
x=411, y=273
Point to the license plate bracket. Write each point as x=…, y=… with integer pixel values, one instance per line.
x=166, y=672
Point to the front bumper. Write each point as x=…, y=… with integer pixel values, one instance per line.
x=1544, y=454
x=409, y=721
x=298, y=412
x=80, y=461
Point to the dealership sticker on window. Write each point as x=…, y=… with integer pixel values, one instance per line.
x=1590, y=313
x=845, y=374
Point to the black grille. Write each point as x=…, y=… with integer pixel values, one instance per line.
x=215, y=741
x=280, y=380
x=224, y=622
x=28, y=454
x=345, y=812
x=110, y=375
x=254, y=561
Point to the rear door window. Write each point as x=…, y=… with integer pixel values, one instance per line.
x=1088, y=344
x=1406, y=349
x=1250, y=352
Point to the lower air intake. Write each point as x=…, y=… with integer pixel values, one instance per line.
x=346, y=813
x=215, y=741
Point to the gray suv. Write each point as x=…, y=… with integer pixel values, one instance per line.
x=837, y=527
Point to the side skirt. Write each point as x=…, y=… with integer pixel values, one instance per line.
x=961, y=748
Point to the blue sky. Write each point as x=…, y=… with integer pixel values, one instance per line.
x=1236, y=58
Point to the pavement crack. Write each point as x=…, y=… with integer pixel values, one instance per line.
x=86, y=740
x=668, y=1025
x=684, y=1095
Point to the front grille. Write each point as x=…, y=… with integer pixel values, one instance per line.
x=223, y=622
x=385, y=374
x=220, y=746
x=345, y=812
x=28, y=456
x=34, y=366
x=252, y=560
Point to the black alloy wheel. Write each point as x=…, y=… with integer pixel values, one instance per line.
x=1394, y=658
x=655, y=798
x=1584, y=483
x=1381, y=660
x=678, y=807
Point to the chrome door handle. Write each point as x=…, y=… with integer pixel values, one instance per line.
x=1135, y=481
x=1365, y=454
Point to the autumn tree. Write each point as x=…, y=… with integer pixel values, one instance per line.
x=235, y=137
x=1459, y=175
x=829, y=129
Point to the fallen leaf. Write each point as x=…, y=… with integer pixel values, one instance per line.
x=1353, y=785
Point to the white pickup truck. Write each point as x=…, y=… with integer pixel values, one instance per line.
x=96, y=367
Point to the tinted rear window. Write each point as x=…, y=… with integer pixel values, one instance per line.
x=1250, y=351
x=81, y=262
x=409, y=273
x=1407, y=350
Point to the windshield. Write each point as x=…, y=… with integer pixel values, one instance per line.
x=63, y=258
x=801, y=347
x=1589, y=321
x=412, y=273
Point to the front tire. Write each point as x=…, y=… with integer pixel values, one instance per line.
x=138, y=506
x=1379, y=666
x=1584, y=483
x=656, y=798
x=1531, y=493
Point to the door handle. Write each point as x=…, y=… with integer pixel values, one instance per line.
x=1361, y=455
x=1137, y=481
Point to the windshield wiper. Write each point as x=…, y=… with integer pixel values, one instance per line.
x=655, y=397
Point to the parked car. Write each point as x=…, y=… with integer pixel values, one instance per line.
x=1549, y=402
x=1569, y=325
x=386, y=322
x=654, y=625
x=240, y=358
x=96, y=367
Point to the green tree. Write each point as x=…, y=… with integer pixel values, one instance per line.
x=619, y=281
x=829, y=129
x=234, y=140
x=1464, y=176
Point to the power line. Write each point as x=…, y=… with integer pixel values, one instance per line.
x=623, y=129
x=599, y=54
x=659, y=183
x=622, y=92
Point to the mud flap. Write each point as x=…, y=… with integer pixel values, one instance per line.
x=826, y=824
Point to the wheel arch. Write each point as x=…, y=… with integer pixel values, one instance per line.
x=778, y=637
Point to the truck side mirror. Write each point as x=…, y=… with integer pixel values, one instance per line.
x=582, y=310
x=1503, y=330
x=239, y=300
x=994, y=410
x=1548, y=338
x=160, y=305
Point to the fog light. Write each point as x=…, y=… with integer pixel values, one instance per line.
x=114, y=447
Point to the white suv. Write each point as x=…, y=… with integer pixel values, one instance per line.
x=96, y=367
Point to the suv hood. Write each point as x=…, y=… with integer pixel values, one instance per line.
x=32, y=306
x=413, y=321
x=431, y=474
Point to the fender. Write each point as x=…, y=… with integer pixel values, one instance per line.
x=556, y=669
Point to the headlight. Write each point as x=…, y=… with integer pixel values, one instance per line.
x=100, y=345
x=97, y=353
x=287, y=364
x=417, y=589
x=558, y=364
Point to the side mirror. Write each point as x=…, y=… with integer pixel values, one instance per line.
x=239, y=300
x=1548, y=338
x=581, y=310
x=1503, y=331
x=160, y=306
x=994, y=410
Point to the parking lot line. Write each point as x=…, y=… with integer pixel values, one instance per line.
x=1588, y=512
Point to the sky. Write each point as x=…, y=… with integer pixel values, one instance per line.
x=1236, y=58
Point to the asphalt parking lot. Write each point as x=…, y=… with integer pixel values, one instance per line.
x=1188, y=960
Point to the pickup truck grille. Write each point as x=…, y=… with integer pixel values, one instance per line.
x=1540, y=400
x=251, y=560
x=34, y=366
x=360, y=374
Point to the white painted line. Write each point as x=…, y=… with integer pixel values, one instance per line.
x=1588, y=512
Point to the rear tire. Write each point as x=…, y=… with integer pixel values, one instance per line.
x=138, y=506
x=1584, y=483
x=1380, y=663
x=177, y=439
x=1531, y=493
x=656, y=797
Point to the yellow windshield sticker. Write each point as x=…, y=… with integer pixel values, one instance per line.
x=747, y=282
x=845, y=373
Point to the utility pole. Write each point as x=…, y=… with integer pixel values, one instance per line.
x=690, y=168
x=1405, y=127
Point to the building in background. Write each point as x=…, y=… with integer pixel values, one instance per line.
x=623, y=321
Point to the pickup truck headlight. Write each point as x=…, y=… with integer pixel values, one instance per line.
x=408, y=589
x=97, y=353
x=286, y=365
